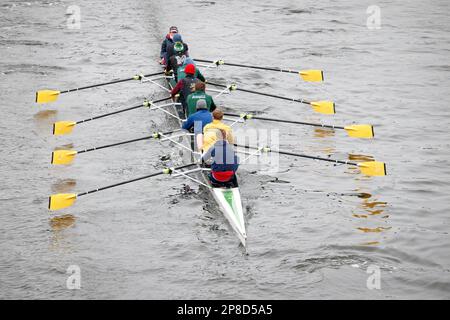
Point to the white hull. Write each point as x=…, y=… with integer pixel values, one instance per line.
x=229, y=202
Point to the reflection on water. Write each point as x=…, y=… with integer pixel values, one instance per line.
x=377, y=229
x=44, y=121
x=373, y=204
x=64, y=147
x=45, y=115
x=63, y=185
x=63, y=222
x=360, y=157
x=370, y=243
x=323, y=133
x=59, y=224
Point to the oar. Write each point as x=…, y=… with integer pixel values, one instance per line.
x=67, y=156
x=65, y=127
x=306, y=75
x=325, y=107
x=354, y=131
x=370, y=168
x=45, y=96
x=64, y=200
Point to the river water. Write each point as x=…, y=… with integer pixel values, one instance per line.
x=315, y=230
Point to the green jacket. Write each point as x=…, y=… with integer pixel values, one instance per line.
x=181, y=74
x=194, y=97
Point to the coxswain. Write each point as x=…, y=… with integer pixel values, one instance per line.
x=210, y=131
x=224, y=161
x=197, y=95
x=186, y=86
x=168, y=40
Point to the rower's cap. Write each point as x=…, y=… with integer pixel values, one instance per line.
x=173, y=29
x=190, y=69
x=201, y=104
x=177, y=37
x=178, y=47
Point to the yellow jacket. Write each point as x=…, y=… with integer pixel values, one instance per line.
x=210, y=133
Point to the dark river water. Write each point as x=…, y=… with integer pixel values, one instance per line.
x=314, y=230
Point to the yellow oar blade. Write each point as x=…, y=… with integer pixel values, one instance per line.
x=63, y=127
x=360, y=131
x=311, y=75
x=373, y=168
x=45, y=96
x=63, y=156
x=325, y=107
x=61, y=200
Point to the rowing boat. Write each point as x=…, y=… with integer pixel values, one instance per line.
x=228, y=200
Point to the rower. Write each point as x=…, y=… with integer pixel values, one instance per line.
x=224, y=162
x=210, y=131
x=168, y=40
x=181, y=74
x=170, y=48
x=198, y=95
x=197, y=121
x=177, y=60
x=186, y=86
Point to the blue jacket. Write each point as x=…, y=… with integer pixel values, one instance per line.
x=198, y=121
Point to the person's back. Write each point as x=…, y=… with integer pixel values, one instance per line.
x=224, y=161
x=211, y=129
x=177, y=60
x=199, y=119
x=185, y=86
x=199, y=94
x=181, y=74
x=170, y=47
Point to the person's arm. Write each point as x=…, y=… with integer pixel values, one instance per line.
x=188, y=124
x=200, y=76
x=163, y=49
x=213, y=105
x=230, y=137
x=209, y=154
x=177, y=88
x=169, y=66
x=186, y=52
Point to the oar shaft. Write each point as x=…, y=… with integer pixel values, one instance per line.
x=108, y=83
x=251, y=67
x=300, y=155
x=262, y=93
x=287, y=121
x=130, y=181
x=119, y=111
x=123, y=142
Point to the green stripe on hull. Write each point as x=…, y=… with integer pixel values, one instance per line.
x=228, y=195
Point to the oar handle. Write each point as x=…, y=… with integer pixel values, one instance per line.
x=262, y=93
x=132, y=180
x=120, y=111
x=110, y=82
x=284, y=121
x=249, y=66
